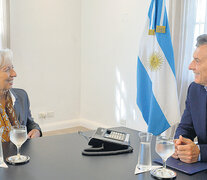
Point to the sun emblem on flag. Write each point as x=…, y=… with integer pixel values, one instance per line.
x=155, y=61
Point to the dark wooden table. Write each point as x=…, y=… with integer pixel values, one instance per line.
x=59, y=157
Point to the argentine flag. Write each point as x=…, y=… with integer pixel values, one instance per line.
x=156, y=81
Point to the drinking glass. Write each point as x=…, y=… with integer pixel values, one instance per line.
x=18, y=135
x=144, y=156
x=165, y=148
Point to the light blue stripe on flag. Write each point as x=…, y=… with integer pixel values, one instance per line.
x=166, y=45
x=148, y=104
x=158, y=4
x=164, y=41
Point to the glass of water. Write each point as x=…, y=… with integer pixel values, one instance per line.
x=18, y=135
x=165, y=148
x=144, y=156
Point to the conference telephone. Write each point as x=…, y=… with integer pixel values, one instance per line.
x=108, y=142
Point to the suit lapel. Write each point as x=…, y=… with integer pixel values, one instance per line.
x=16, y=104
x=201, y=109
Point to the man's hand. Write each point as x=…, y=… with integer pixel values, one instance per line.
x=34, y=133
x=186, y=150
x=176, y=142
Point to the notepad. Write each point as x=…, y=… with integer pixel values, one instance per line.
x=184, y=167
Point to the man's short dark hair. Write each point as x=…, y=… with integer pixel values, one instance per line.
x=201, y=40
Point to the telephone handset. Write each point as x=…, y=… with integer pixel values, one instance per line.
x=108, y=142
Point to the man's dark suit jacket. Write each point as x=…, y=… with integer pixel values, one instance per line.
x=193, y=122
x=22, y=109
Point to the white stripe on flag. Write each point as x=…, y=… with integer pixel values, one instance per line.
x=163, y=13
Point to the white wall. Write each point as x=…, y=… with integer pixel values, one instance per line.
x=110, y=33
x=45, y=39
x=78, y=58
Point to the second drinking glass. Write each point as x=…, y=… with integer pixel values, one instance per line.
x=165, y=148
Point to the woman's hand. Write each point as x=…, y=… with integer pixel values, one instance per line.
x=33, y=133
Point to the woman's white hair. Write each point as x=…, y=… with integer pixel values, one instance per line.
x=6, y=57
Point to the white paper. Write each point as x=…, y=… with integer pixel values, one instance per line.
x=138, y=171
x=3, y=165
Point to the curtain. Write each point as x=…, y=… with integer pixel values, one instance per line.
x=182, y=18
x=4, y=24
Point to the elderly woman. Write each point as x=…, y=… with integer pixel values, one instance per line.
x=14, y=103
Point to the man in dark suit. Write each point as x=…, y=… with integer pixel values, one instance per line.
x=194, y=120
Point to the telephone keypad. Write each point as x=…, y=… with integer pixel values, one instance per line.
x=117, y=136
